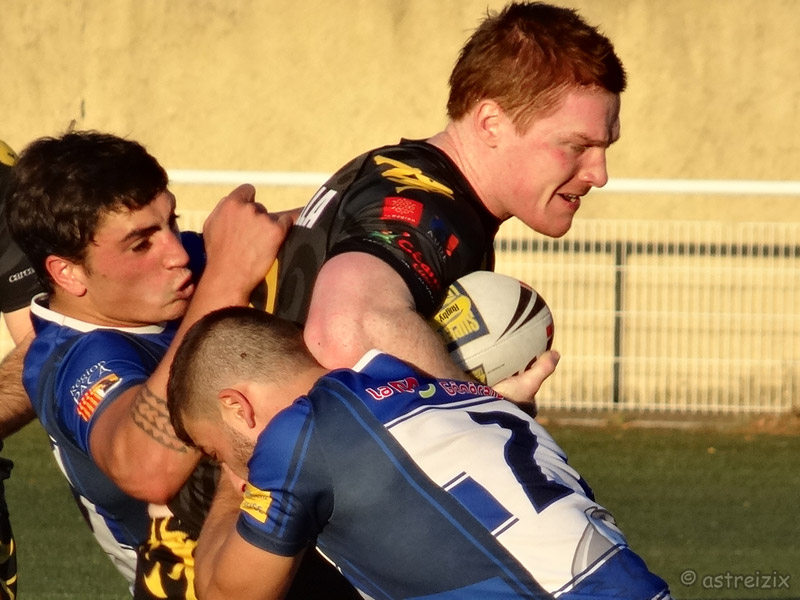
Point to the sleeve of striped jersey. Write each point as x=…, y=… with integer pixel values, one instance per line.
x=288, y=497
x=95, y=371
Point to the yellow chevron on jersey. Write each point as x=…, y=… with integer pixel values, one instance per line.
x=411, y=177
x=7, y=156
x=6, y=550
x=265, y=295
x=167, y=562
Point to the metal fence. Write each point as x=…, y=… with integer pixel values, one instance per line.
x=668, y=316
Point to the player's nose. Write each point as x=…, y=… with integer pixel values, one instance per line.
x=594, y=170
x=175, y=254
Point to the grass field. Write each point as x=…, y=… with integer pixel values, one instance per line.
x=719, y=504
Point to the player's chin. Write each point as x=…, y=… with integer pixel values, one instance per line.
x=554, y=227
x=175, y=310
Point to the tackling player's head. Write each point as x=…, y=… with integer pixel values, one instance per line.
x=63, y=187
x=244, y=350
x=527, y=57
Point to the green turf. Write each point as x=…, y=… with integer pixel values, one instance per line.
x=720, y=504
x=57, y=556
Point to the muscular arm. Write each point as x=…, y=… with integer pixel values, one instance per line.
x=132, y=440
x=226, y=566
x=359, y=303
x=16, y=409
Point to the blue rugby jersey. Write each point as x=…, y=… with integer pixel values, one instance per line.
x=72, y=372
x=418, y=488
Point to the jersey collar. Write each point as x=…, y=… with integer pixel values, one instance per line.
x=40, y=309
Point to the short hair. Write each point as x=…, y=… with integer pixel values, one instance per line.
x=527, y=57
x=62, y=188
x=224, y=347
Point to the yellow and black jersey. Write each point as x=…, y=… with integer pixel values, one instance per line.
x=407, y=204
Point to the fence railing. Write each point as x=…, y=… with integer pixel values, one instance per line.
x=669, y=316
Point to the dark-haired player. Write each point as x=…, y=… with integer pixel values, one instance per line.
x=94, y=215
x=415, y=487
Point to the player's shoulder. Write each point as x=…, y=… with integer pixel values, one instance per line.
x=71, y=354
x=276, y=451
x=418, y=156
x=363, y=391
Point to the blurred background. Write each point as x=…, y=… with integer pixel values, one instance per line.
x=677, y=287
x=675, y=295
x=282, y=85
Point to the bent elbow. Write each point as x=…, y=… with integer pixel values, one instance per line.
x=156, y=487
x=153, y=492
x=335, y=342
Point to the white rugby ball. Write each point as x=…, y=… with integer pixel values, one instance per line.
x=493, y=325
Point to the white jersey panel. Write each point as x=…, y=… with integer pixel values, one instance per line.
x=122, y=555
x=555, y=531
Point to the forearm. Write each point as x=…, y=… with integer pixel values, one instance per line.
x=16, y=409
x=219, y=523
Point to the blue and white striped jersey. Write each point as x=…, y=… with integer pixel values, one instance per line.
x=417, y=488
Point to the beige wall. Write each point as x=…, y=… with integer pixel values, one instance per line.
x=305, y=84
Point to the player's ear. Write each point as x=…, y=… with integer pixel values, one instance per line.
x=66, y=274
x=236, y=405
x=487, y=119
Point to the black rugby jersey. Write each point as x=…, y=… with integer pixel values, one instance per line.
x=407, y=204
x=18, y=282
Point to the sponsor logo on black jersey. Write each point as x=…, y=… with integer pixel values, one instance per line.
x=387, y=237
x=421, y=268
x=397, y=208
x=403, y=242
x=445, y=241
x=14, y=277
x=410, y=178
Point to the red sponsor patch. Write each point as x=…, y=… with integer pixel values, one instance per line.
x=396, y=208
x=452, y=244
x=91, y=398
